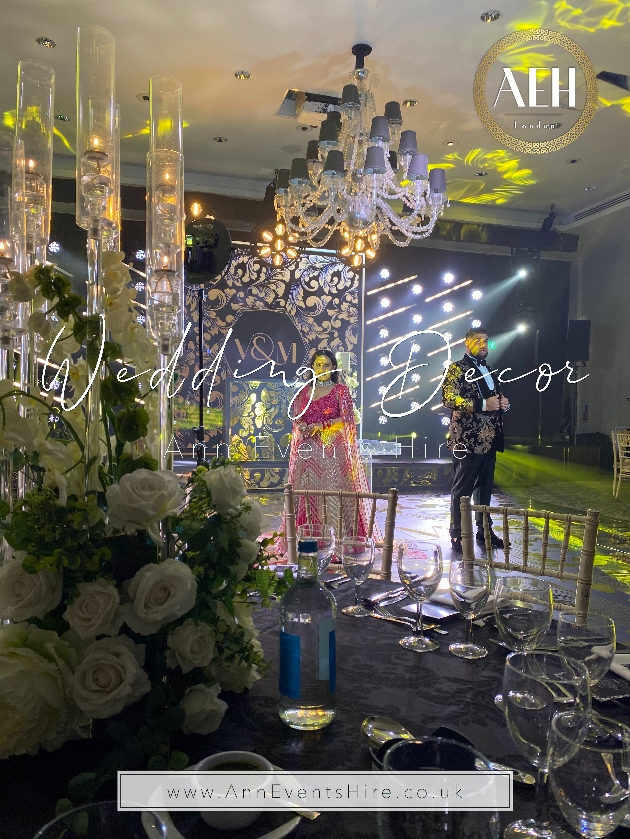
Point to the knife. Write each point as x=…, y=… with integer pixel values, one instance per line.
x=385, y=595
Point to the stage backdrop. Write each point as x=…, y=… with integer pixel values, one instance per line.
x=279, y=315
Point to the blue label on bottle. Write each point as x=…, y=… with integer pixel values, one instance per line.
x=289, y=665
x=327, y=653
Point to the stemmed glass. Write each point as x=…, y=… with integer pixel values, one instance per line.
x=523, y=609
x=470, y=589
x=357, y=555
x=535, y=686
x=324, y=534
x=420, y=571
x=589, y=765
x=591, y=640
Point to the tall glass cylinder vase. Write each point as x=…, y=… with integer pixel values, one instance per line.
x=165, y=275
x=34, y=131
x=165, y=240
x=96, y=181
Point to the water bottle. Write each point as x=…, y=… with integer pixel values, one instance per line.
x=307, y=647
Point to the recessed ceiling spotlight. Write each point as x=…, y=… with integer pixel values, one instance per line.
x=589, y=188
x=54, y=247
x=480, y=174
x=449, y=143
x=43, y=41
x=491, y=16
x=62, y=118
x=410, y=103
x=220, y=139
x=448, y=277
x=574, y=160
x=243, y=75
x=143, y=97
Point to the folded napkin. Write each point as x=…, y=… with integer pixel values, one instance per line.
x=621, y=666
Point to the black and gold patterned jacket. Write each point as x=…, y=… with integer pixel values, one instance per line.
x=476, y=430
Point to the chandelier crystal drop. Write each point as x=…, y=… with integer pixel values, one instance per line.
x=364, y=177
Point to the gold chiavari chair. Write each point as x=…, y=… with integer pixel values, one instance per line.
x=335, y=514
x=542, y=566
x=621, y=457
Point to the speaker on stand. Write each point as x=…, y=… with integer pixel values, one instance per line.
x=208, y=248
x=578, y=352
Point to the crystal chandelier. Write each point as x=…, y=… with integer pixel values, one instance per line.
x=364, y=177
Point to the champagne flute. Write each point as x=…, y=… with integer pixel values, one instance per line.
x=357, y=555
x=535, y=686
x=589, y=771
x=324, y=534
x=523, y=609
x=470, y=589
x=420, y=571
x=591, y=640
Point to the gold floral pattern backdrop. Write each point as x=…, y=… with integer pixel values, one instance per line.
x=318, y=293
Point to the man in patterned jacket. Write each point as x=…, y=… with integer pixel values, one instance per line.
x=473, y=394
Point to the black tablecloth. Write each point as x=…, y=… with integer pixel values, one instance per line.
x=374, y=676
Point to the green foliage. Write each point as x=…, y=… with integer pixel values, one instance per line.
x=127, y=464
x=131, y=424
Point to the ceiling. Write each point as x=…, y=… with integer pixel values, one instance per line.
x=423, y=51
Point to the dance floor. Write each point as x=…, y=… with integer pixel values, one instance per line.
x=426, y=516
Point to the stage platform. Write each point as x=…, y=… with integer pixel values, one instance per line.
x=410, y=476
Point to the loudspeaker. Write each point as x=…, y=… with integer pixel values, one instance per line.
x=578, y=340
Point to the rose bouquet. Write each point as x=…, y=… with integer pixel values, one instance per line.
x=129, y=608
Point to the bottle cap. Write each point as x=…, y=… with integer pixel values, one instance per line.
x=307, y=546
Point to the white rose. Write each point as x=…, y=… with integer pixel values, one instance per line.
x=40, y=324
x=227, y=489
x=247, y=553
x=142, y=499
x=36, y=707
x=95, y=610
x=191, y=645
x=110, y=677
x=160, y=594
x=204, y=710
x=251, y=521
x=235, y=676
x=24, y=596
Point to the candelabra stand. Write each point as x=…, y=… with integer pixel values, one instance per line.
x=96, y=208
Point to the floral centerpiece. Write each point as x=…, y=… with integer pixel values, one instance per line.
x=130, y=605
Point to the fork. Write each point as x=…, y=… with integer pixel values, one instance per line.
x=380, y=610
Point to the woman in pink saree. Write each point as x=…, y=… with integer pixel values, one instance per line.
x=324, y=450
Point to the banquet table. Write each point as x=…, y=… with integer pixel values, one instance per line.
x=374, y=676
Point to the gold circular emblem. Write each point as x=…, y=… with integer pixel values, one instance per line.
x=479, y=91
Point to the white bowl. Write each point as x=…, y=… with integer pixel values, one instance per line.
x=226, y=820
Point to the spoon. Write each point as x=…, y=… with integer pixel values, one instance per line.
x=378, y=730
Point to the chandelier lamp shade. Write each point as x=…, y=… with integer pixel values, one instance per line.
x=363, y=178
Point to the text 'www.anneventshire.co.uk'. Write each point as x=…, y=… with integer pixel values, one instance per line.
x=158, y=376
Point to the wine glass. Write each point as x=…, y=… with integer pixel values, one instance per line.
x=420, y=571
x=470, y=589
x=523, y=609
x=324, y=534
x=535, y=686
x=590, y=639
x=589, y=766
x=357, y=555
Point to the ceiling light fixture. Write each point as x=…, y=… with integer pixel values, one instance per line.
x=243, y=75
x=480, y=174
x=574, y=160
x=143, y=97
x=274, y=245
x=410, y=103
x=220, y=139
x=43, y=41
x=54, y=247
x=196, y=209
x=62, y=118
x=350, y=178
x=589, y=188
x=450, y=143
x=491, y=16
